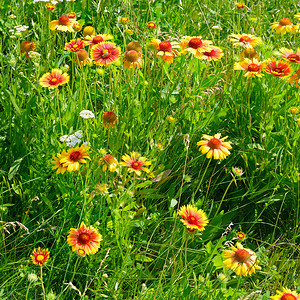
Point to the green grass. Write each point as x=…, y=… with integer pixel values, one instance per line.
x=146, y=252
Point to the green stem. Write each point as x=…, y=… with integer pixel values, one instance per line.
x=224, y=196
x=74, y=271
x=43, y=288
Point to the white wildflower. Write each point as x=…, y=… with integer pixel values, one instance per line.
x=87, y=114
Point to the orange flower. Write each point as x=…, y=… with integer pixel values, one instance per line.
x=278, y=68
x=75, y=45
x=109, y=119
x=289, y=55
x=194, y=45
x=212, y=53
x=62, y=24
x=244, y=40
x=50, y=6
x=82, y=58
x=286, y=294
x=164, y=49
x=73, y=157
x=84, y=240
x=132, y=59
x=124, y=20
x=284, y=25
x=108, y=162
x=193, y=218
x=39, y=257
x=253, y=67
x=105, y=53
x=71, y=15
x=134, y=46
x=77, y=26
x=135, y=163
x=214, y=146
x=27, y=46
x=54, y=79
x=151, y=25
x=295, y=78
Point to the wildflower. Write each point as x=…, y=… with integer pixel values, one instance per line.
x=98, y=39
x=102, y=188
x=171, y=119
x=244, y=40
x=212, y=53
x=61, y=169
x=84, y=238
x=74, y=45
x=249, y=53
x=216, y=27
x=32, y=277
x=151, y=25
x=124, y=20
x=102, y=151
x=193, y=218
x=51, y=296
x=253, y=67
x=237, y=171
x=62, y=24
x=77, y=26
x=164, y=49
x=35, y=57
x=278, y=68
x=290, y=55
x=27, y=46
x=283, y=26
x=109, y=162
x=240, y=5
x=82, y=58
x=129, y=31
x=81, y=252
x=73, y=157
x=73, y=140
x=50, y=6
x=295, y=78
x=135, y=163
x=241, y=236
x=132, y=59
x=286, y=294
x=134, y=46
x=109, y=119
x=40, y=256
x=241, y=260
x=71, y=15
x=88, y=31
x=54, y=79
x=87, y=114
x=214, y=146
x=105, y=53
x=294, y=110
x=159, y=146
x=194, y=45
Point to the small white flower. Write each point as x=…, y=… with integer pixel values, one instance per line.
x=79, y=134
x=87, y=144
x=54, y=2
x=72, y=141
x=63, y=138
x=87, y=114
x=32, y=277
x=11, y=16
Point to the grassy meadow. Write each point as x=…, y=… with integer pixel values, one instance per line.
x=104, y=106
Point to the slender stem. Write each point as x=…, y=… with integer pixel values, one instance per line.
x=28, y=290
x=43, y=288
x=74, y=271
x=224, y=195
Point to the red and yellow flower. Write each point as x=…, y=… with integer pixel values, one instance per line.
x=244, y=40
x=50, y=6
x=75, y=45
x=109, y=162
x=62, y=24
x=253, y=67
x=241, y=236
x=77, y=26
x=71, y=15
x=40, y=256
x=94, y=40
x=241, y=260
x=212, y=53
x=194, y=45
x=290, y=55
x=240, y=5
x=132, y=59
x=27, y=46
x=151, y=25
x=124, y=20
x=84, y=240
x=284, y=25
x=193, y=218
x=295, y=79
x=105, y=53
x=165, y=49
x=278, y=68
x=136, y=163
x=109, y=119
x=214, y=146
x=286, y=294
x=54, y=79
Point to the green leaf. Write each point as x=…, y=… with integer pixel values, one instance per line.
x=14, y=168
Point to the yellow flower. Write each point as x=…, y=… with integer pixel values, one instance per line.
x=286, y=294
x=244, y=40
x=135, y=162
x=252, y=66
x=283, y=26
x=241, y=260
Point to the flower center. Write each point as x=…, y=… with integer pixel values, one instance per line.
x=132, y=56
x=214, y=143
x=241, y=255
x=109, y=116
x=75, y=46
x=106, y=53
x=209, y=53
x=253, y=68
x=75, y=155
x=84, y=238
x=195, y=43
x=98, y=39
x=285, y=22
x=165, y=46
x=64, y=20
x=192, y=220
x=245, y=39
x=136, y=165
x=293, y=57
x=40, y=257
x=54, y=80
x=278, y=70
x=288, y=296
